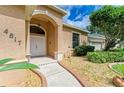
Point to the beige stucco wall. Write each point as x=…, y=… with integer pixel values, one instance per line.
x=12, y=19
x=51, y=40
x=16, y=11
x=67, y=39
x=56, y=15
x=84, y=38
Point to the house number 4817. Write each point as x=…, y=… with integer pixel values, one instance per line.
x=12, y=36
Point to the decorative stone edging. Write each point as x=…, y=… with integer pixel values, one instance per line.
x=82, y=82
x=43, y=79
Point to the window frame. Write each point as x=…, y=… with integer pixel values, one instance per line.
x=78, y=38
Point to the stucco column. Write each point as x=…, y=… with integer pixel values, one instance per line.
x=28, y=55
x=59, y=48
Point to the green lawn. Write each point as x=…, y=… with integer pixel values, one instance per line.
x=119, y=68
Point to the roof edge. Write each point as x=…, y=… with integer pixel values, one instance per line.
x=63, y=12
x=74, y=27
x=96, y=36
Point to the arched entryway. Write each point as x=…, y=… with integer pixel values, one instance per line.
x=43, y=36
x=37, y=41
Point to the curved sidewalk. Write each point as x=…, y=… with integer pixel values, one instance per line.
x=56, y=75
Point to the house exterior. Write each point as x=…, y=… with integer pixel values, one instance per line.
x=122, y=44
x=34, y=31
x=96, y=40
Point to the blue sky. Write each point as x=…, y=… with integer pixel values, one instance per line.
x=78, y=15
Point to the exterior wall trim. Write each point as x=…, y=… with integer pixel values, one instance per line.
x=36, y=12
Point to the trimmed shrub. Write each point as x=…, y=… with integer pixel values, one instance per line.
x=104, y=57
x=90, y=48
x=82, y=50
x=119, y=49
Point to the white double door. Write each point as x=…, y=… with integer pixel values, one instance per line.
x=37, y=45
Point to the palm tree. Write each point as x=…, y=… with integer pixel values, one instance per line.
x=12, y=66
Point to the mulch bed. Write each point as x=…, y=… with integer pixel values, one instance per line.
x=91, y=74
x=20, y=78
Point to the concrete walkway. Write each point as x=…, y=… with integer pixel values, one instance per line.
x=56, y=75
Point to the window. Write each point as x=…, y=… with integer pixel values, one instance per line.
x=75, y=40
x=37, y=30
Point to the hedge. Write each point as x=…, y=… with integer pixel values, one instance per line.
x=117, y=49
x=104, y=57
x=82, y=50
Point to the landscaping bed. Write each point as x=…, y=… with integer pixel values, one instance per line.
x=93, y=74
x=19, y=74
x=20, y=78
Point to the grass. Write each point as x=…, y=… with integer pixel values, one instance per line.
x=94, y=74
x=119, y=68
x=6, y=60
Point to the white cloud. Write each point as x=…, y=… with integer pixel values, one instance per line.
x=79, y=23
x=78, y=17
x=82, y=23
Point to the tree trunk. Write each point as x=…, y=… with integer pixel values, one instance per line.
x=110, y=44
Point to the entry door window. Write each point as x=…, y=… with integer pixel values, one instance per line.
x=75, y=39
x=36, y=30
